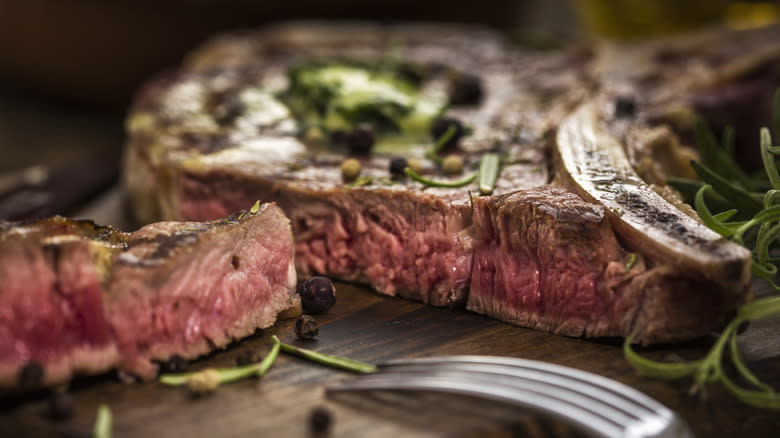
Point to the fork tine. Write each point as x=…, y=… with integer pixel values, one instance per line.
x=600, y=405
x=620, y=396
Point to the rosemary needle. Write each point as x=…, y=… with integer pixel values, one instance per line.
x=434, y=183
x=327, y=359
x=488, y=173
x=103, y=423
x=227, y=375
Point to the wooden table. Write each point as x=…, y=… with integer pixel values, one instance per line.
x=362, y=326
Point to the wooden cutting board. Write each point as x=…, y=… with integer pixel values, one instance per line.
x=373, y=328
x=362, y=326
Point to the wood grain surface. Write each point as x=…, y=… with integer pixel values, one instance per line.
x=373, y=328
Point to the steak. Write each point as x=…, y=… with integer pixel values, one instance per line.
x=80, y=298
x=545, y=248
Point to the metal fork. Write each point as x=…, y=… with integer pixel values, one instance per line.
x=597, y=404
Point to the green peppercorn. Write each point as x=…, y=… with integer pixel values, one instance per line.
x=350, y=169
x=452, y=165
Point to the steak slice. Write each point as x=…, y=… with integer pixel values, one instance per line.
x=51, y=288
x=218, y=132
x=82, y=299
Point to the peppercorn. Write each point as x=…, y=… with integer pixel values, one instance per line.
x=442, y=125
x=338, y=137
x=452, y=165
x=360, y=140
x=306, y=327
x=350, y=169
x=318, y=295
x=320, y=421
x=203, y=382
x=31, y=375
x=625, y=106
x=176, y=364
x=60, y=406
x=397, y=166
x=465, y=89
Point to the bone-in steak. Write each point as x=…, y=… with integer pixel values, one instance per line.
x=231, y=125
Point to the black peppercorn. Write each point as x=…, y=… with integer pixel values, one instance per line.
x=60, y=406
x=397, y=166
x=442, y=125
x=31, y=375
x=176, y=364
x=306, y=327
x=338, y=137
x=465, y=89
x=625, y=106
x=318, y=295
x=360, y=140
x=320, y=421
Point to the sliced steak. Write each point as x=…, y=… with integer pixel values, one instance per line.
x=78, y=298
x=402, y=238
x=51, y=289
x=222, y=130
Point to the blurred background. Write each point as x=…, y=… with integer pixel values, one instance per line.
x=69, y=68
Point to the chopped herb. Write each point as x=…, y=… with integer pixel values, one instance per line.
x=255, y=208
x=433, y=183
x=103, y=423
x=631, y=261
x=327, y=359
x=488, y=173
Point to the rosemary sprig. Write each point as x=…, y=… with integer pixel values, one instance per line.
x=327, y=359
x=754, y=222
x=710, y=368
x=226, y=375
